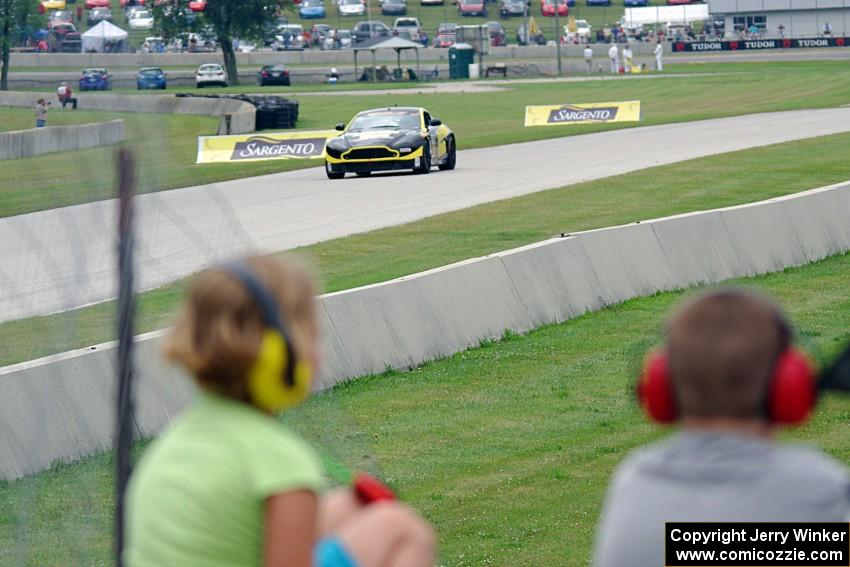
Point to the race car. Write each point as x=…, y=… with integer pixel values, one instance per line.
x=389, y=139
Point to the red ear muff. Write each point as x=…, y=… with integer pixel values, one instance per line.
x=792, y=393
x=655, y=391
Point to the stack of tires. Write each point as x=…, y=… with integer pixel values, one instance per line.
x=273, y=112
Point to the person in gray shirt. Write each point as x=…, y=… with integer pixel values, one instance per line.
x=722, y=358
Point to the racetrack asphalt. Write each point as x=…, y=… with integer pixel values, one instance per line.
x=64, y=258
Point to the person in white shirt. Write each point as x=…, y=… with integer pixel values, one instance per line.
x=627, y=59
x=614, y=56
x=659, y=51
x=588, y=58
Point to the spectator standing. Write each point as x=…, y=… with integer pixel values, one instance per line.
x=659, y=53
x=42, y=45
x=627, y=58
x=782, y=31
x=228, y=484
x=827, y=29
x=727, y=373
x=588, y=58
x=41, y=113
x=614, y=56
x=66, y=96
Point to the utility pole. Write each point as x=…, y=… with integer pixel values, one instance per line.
x=558, y=33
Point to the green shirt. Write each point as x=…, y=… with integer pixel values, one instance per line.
x=198, y=496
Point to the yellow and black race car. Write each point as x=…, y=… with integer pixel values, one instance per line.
x=389, y=139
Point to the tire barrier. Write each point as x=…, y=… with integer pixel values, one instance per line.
x=61, y=407
x=272, y=112
x=37, y=141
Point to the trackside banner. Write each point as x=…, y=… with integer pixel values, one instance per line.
x=262, y=146
x=585, y=113
x=749, y=44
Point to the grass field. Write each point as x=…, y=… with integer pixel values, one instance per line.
x=507, y=449
x=381, y=255
x=166, y=144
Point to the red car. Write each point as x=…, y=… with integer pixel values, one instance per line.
x=198, y=5
x=471, y=8
x=445, y=40
x=547, y=7
x=97, y=4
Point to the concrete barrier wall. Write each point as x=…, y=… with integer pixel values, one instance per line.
x=307, y=57
x=61, y=407
x=36, y=141
x=237, y=117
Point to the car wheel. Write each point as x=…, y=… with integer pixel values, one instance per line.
x=451, y=158
x=333, y=174
x=425, y=166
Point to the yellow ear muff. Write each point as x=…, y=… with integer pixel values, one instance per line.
x=266, y=382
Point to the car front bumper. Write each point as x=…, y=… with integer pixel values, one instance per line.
x=410, y=160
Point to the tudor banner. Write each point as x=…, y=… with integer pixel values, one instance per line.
x=585, y=113
x=261, y=146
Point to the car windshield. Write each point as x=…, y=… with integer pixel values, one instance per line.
x=350, y=2
x=210, y=68
x=141, y=14
x=344, y=33
x=151, y=72
x=386, y=120
x=273, y=68
x=312, y=3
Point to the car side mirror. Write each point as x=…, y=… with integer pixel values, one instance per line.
x=340, y=126
x=436, y=122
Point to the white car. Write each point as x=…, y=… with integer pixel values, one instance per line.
x=210, y=74
x=409, y=25
x=582, y=32
x=141, y=20
x=352, y=8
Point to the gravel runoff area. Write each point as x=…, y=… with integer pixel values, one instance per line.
x=64, y=258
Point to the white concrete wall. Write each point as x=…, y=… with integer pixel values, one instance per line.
x=36, y=141
x=61, y=407
x=237, y=117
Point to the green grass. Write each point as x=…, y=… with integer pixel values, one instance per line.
x=699, y=184
x=508, y=455
x=166, y=144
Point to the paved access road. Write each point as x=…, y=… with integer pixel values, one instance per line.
x=64, y=258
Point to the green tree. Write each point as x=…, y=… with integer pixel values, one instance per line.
x=15, y=17
x=225, y=20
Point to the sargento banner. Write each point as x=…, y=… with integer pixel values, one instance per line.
x=747, y=44
x=584, y=113
x=268, y=145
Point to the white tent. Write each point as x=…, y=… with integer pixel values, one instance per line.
x=102, y=35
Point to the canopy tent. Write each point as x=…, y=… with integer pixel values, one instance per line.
x=685, y=14
x=104, y=35
x=398, y=44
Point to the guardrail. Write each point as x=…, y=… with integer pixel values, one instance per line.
x=37, y=141
x=62, y=407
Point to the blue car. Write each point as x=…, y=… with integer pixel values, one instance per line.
x=598, y=2
x=635, y=3
x=96, y=79
x=150, y=78
x=311, y=9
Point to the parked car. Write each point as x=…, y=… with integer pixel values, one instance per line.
x=368, y=30
x=210, y=74
x=447, y=27
x=635, y=3
x=497, y=34
x=513, y=8
x=59, y=17
x=130, y=11
x=311, y=9
x=98, y=15
x=471, y=8
x=547, y=7
x=394, y=8
x=151, y=78
x=431, y=2
x=581, y=33
x=409, y=25
x=344, y=37
x=95, y=79
x=351, y=8
x=124, y=3
x=295, y=33
x=445, y=40
x=318, y=33
x=198, y=5
x=273, y=75
x=598, y=2
x=71, y=42
x=141, y=20
x=523, y=38
x=92, y=4
x=53, y=5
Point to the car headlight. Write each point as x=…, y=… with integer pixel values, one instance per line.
x=335, y=147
